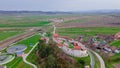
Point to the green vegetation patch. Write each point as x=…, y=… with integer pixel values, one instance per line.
x=18, y=63
x=25, y=24
x=6, y=34
x=84, y=60
x=29, y=42
x=75, y=21
x=89, y=31
x=115, y=43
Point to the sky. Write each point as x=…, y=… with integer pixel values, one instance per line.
x=59, y=5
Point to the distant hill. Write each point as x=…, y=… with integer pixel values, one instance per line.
x=32, y=12
x=60, y=12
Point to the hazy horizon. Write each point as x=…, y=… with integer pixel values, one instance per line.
x=58, y=5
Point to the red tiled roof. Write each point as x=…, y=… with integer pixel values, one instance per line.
x=55, y=35
x=77, y=47
x=60, y=44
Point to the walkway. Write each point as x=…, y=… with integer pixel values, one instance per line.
x=26, y=55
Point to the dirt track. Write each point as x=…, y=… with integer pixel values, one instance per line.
x=14, y=39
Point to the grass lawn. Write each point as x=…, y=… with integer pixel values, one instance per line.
x=31, y=40
x=33, y=57
x=89, y=31
x=6, y=34
x=18, y=63
x=115, y=43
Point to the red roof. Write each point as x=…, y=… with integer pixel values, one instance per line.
x=77, y=47
x=66, y=37
x=55, y=35
x=60, y=44
x=75, y=44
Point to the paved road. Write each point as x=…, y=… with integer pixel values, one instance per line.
x=92, y=63
x=26, y=55
x=102, y=63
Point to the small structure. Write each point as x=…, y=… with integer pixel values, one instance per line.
x=20, y=54
x=116, y=51
x=77, y=47
x=75, y=43
x=107, y=49
x=55, y=35
x=60, y=44
x=117, y=36
x=87, y=66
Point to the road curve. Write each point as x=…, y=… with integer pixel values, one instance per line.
x=26, y=55
x=102, y=63
x=92, y=63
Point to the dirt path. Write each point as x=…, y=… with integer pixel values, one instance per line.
x=14, y=39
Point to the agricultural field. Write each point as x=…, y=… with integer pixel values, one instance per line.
x=27, y=20
x=22, y=21
x=90, y=21
x=89, y=31
x=4, y=34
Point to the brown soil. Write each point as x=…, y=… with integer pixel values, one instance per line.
x=92, y=21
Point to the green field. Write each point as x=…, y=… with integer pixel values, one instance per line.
x=90, y=31
x=115, y=43
x=18, y=62
x=75, y=21
x=7, y=33
x=25, y=24
x=27, y=20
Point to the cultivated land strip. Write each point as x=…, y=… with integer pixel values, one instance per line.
x=14, y=39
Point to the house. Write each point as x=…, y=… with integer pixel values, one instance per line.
x=116, y=51
x=55, y=35
x=87, y=66
x=77, y=47
x=117, y=36
x=20, y=53
x=107, y=49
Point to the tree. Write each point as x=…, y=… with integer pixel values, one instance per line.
x=51, y=62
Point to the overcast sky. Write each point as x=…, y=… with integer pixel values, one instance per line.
x=59, y=5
